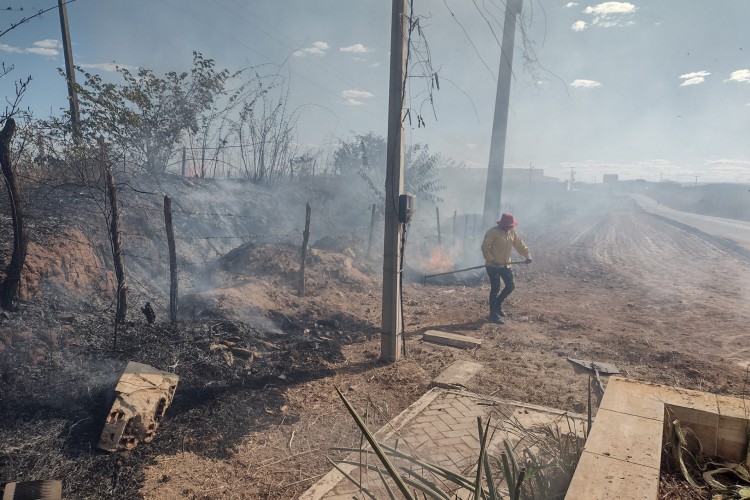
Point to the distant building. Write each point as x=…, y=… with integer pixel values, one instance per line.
x=610, y=178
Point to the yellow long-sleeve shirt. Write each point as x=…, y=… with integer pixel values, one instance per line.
x=498, y=245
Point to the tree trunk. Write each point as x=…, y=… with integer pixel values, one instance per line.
x=172, y=260
x=116, y=240
x=9, y=287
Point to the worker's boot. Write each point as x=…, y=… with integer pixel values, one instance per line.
x=494, y=317
x=499, y=310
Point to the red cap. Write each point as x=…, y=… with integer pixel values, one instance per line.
x=506, y=220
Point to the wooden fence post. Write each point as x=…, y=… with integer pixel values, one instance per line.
x=115, y=240
x=437, y=215
x=305, y=239
x=455, y=213
x=466, y=229
x=183, y=161
x=172, y=260
x=372, y=231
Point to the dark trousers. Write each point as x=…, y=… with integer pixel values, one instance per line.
x=495, y=274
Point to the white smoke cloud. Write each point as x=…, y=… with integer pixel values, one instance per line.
x=579, y=26
x=694, y=78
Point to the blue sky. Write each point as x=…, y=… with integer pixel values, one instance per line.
x=644, y=88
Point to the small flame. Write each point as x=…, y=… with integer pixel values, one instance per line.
x=437, y=261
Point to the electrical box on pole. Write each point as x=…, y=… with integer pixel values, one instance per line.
x=392, y=328
x=492, y=196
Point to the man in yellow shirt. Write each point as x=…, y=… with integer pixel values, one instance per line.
x=497, y=246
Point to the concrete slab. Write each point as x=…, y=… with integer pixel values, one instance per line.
x=623, y=452
x=602, y=477
x=457, y=374
x=631, y=439
x=451, y=339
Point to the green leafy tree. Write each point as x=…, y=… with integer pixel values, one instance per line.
x=147, y=116
x=365, y=156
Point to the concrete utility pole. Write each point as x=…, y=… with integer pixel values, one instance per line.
x=500, y=124
x=392, y=329
x=70, y=74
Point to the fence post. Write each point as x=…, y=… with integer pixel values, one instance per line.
x=455, y=213
x=115, y=240
x=466, y=229
x=474, y=229
x=437, y=215
x=183, y=161
x=305, y=239
x=172, y=259
x=372, y=231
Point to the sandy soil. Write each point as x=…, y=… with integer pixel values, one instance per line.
x=614, y=285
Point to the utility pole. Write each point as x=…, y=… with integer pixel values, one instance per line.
x=70, y=75
x=392, y=328
x=500, y=124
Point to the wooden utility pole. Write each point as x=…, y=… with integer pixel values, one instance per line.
x=9, y=287
x=305, y=239
x=392, y=328
x=70, y=72
x=172, y=258
x=494, y=187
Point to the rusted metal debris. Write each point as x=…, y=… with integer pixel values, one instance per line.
x=142, y=396
x=32, y=490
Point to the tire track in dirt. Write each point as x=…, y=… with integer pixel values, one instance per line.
x=697, y=290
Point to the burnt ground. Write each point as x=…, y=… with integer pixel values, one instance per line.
x=611, y=284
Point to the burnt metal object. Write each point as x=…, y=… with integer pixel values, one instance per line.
x=142, y=396
x=596, y=366
x=33, y=490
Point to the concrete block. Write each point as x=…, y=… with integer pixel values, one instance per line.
x=451, y=339
x=33, y=490
x=142, y=396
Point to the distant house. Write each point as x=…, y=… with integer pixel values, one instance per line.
x=610, y=178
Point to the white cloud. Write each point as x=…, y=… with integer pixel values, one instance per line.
x=609, y=8
x=471, y=146
x=356, y=94
x=579, y=26
x=48, y=43
x=317, y=49
x=610, y=14
x=694, y=78
x=357, y=48
x=10, y=49
x=105, y=66
x=585, y=84
x=353, y=102
x=570, y=4
x=741, y=76
x=42, y=51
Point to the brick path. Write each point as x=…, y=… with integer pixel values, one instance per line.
x=440, y=428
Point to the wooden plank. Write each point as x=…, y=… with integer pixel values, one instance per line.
x=451, y=339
